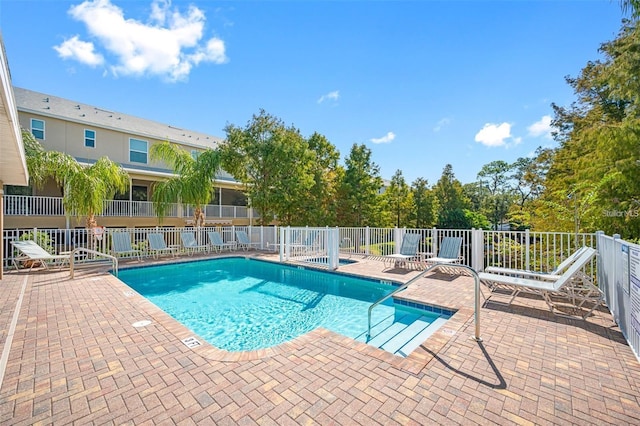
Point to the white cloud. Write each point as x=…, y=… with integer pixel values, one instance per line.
x=541, y=127
x=169, y=46
x=82, y=51
x=331, y=96
x=442, y=123
x=385, y=139
x=493, y=135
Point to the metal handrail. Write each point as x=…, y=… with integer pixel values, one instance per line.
x=114, y=260
x=476, y=278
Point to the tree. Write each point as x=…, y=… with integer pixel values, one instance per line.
x=399, y=199
x=274, y=163
x=84, y=188
x=319, y=206
x=193, y=183
x=599, y=137
x=494, y=177
x=451, y=201
x=358, y=195
x=426, y=204
x=529, y=174
x=631, y=6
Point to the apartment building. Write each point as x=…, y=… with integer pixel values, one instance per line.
x=13, y=167
x=87, y=133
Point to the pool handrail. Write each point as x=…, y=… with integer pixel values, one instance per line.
x=113, y=259
x=448, y=266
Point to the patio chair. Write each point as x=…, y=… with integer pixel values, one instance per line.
x=190, y=244
x=408, y=251
x=216, y=242
x=157, y=245
x=572, y=285
x=121, y=244
x=31, y=252
x=244, y=242
x=449, y=252
x=551, y=275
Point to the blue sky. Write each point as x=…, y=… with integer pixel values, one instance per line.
x=421, y=83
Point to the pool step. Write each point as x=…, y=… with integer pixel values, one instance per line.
x=405, y=331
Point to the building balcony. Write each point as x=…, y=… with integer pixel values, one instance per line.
x=25, y=205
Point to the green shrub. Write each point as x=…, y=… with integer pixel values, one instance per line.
x=41, y=238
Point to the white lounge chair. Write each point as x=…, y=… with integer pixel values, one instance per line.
x=31, y=251
x=573, y=284
x=190, y=244
x=551, y=275
x=408, y=251
x=157, y=245
x=215, y=239
x=121, y=244
x=244, y=242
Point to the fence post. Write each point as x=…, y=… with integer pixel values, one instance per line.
x=333, y=249
x=527, y=255
x=367, y=236
x=397, y=239
x=477, y=249
x=434, y=241
x=613, y=283
x=284, y=244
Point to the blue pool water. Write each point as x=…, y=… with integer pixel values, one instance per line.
x=239, y=304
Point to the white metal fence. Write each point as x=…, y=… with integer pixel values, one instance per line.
x=540, y=251
x=60, y=240
x=619, y=280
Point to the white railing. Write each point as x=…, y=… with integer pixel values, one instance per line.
x=21, y=205
x=26, y=205
x=214, y=210
x=540, y=251
x=66, y=240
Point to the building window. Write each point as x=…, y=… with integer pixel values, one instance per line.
x=195, y=154
x=37, y=128
x=89, y=138
x=138, y=151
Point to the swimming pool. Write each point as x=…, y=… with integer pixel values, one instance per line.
x=240, y=304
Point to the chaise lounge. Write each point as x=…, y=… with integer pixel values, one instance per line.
x=572, y=285
x=31, y=251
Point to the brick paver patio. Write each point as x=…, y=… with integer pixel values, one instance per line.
x=76, y=358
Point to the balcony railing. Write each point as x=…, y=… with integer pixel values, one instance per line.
x=25, y=205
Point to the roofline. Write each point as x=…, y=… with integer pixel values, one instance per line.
x=113, y=128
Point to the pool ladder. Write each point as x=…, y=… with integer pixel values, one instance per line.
x=470, y=270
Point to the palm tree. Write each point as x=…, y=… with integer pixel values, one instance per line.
x=631, y=6
x=193, y=184
x=84, y=189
